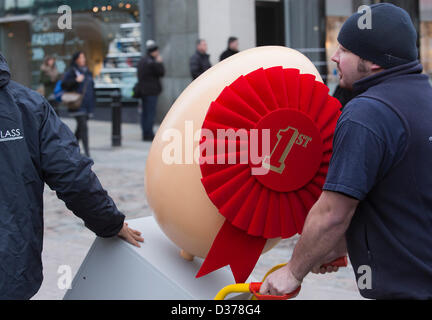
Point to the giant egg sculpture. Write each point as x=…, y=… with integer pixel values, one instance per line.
x=271, y=121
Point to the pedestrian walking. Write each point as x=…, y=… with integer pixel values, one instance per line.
x=79, y=79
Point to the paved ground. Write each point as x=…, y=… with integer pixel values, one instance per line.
x=121, y=172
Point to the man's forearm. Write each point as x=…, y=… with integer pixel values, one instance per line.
x=322, y=233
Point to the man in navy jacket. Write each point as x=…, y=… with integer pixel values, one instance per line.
x=378, y=194
x=37, y=148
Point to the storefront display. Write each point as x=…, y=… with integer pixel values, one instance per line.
x=107, y=31
x=120, y=65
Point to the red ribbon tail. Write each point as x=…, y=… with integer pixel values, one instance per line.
x=236, y=248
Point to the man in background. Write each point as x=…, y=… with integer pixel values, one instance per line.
x=233, y=48
x=200, y=61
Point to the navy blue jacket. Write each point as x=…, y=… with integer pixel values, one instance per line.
x=86, y=87
x=383, y=157
x=37, y=148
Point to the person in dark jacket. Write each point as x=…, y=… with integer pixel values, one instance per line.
x=377, y=203
x=38, y=148
x=233, y=48
x=48, y=77
x=79, y=79
x=343, y=95
x=200, y=61
x=150, y=71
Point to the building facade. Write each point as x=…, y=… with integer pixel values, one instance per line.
x=112, y=34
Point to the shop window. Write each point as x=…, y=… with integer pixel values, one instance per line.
x=108, y=34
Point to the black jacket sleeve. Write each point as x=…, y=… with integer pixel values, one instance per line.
x=68, y=173
x=158, y=69
x=195, y=67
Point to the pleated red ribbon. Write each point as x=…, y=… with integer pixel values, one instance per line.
x=300, y=118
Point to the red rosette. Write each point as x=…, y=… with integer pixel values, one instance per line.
x=300, y=117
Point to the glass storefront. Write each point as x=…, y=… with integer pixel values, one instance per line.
x=107, y=31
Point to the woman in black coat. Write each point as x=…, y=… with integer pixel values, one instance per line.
x=79, y=79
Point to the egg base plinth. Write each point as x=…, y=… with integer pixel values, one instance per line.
x=116, y=270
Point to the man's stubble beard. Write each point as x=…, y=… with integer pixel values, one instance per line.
x=361, y=69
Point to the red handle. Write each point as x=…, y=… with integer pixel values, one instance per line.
x=255, y=288
x=340, y=263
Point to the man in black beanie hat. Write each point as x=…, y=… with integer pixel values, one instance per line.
x=377, y=200
x=390, y=42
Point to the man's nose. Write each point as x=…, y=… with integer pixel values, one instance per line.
x=335, y=57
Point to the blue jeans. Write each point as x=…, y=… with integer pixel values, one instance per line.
x=149, y=104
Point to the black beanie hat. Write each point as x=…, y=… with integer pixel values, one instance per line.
x=391, y=42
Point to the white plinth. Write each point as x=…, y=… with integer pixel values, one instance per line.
x=115, y=270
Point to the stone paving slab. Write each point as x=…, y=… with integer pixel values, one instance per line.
x=121, y=171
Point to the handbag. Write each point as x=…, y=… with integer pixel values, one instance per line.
x=73, y=100
x=58, y=91
x=136, y=91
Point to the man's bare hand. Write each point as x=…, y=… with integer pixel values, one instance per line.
x=131, y=236
x=280, y=283
x=80, y=78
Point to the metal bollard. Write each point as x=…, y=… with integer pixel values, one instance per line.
x=116, y=109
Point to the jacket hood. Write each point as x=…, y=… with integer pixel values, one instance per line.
x=4, y=72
